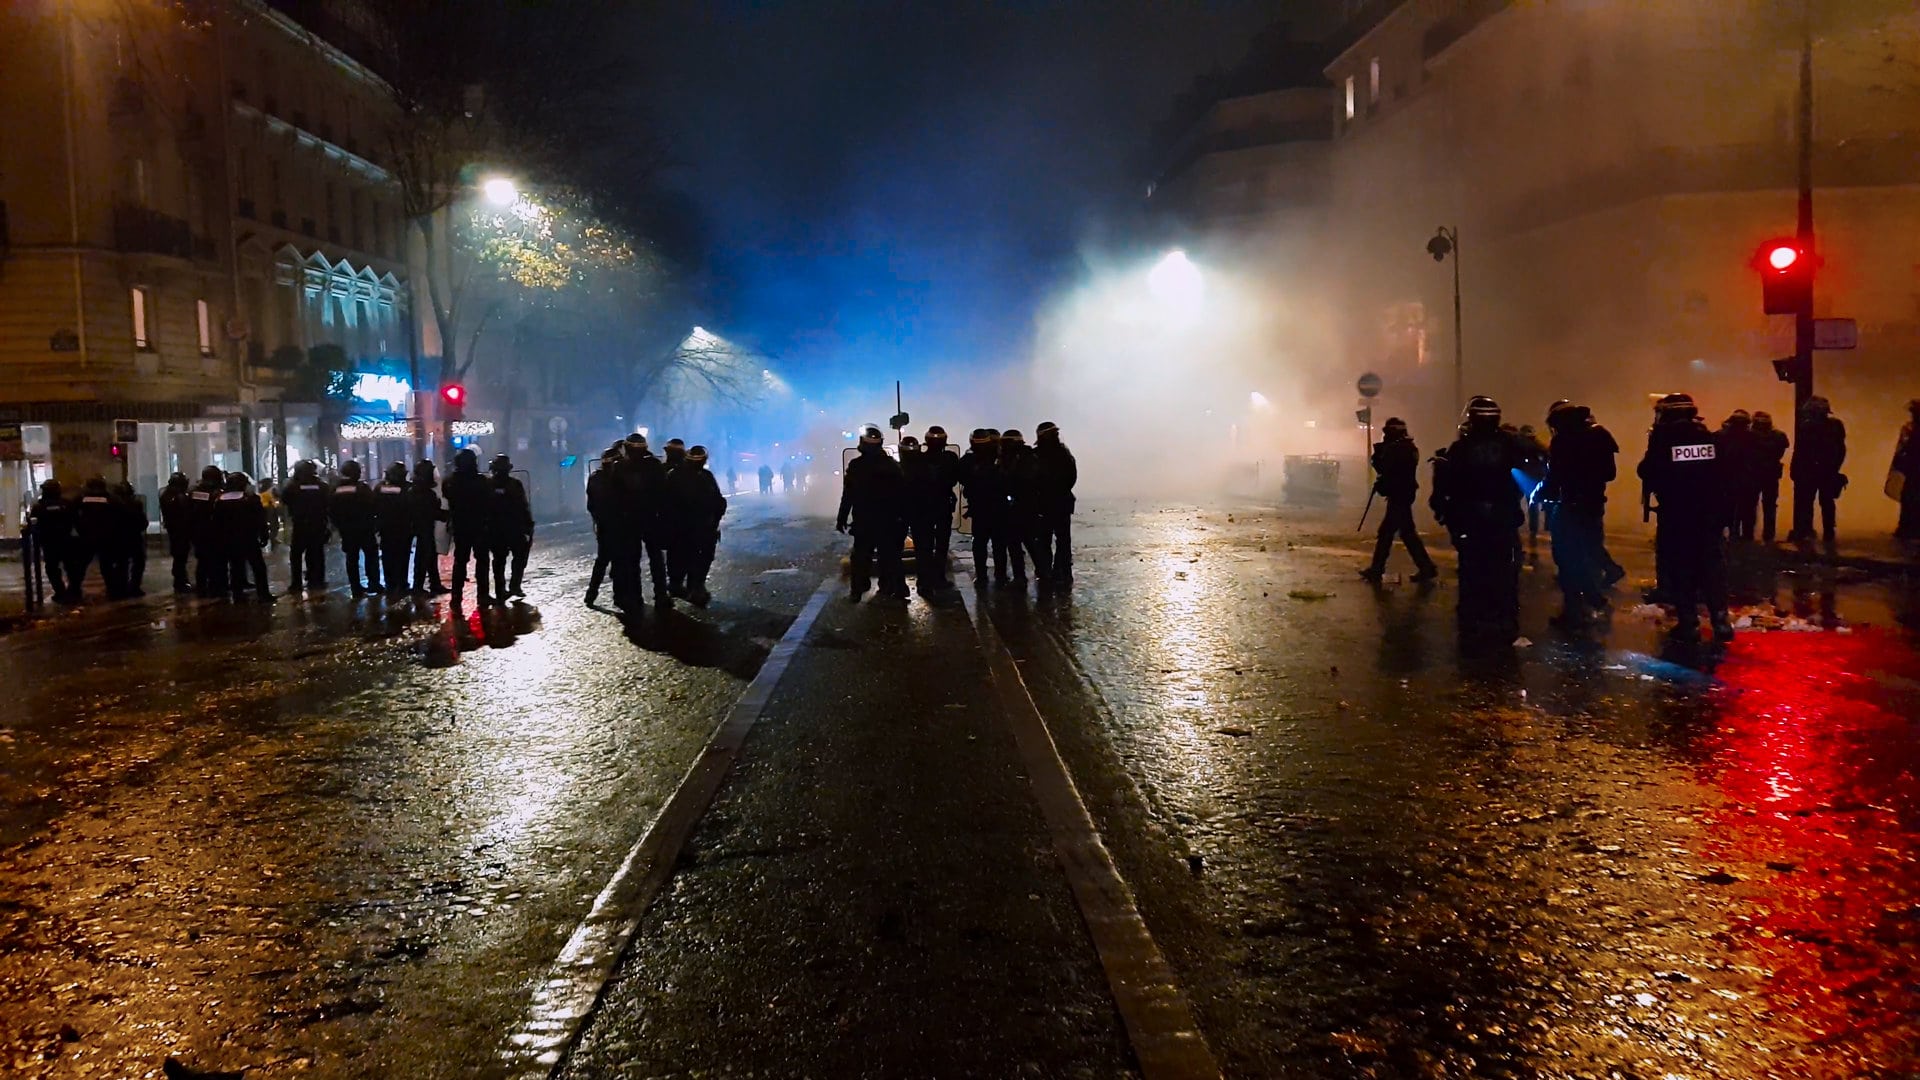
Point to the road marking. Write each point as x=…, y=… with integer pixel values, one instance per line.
x=567, y=995
x=1159, y=1022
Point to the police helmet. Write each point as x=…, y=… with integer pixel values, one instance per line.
x=177, y=480
x=236, y=481
x=696, y=454
x=908, y=442
x=1559, y=404
x=350, y=470
x=1763, y=419
x=676, y=444
x=1394, y=424
x=466, y=461
x=1678, y=407
x=1483, y=408
x=870, y=436
x=936, y=437
x=50, y=489
x=501, y=465
x=212, y=475
x=1012, y=435
x=1739, y=420
x=981, y=436
x=306, y=467
x=1818, y=406
x=396, y=472
x=637, y=440
x=1047, y=430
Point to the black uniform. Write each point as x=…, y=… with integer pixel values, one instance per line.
x=696, y=506
x=1906, y=462
x=131, y=536
x=1741, y=461
x=52, y=523
x=209, y=559
x=1684, y=470
x=1396, y=466
x=305, y=497
x=935, y=501
x=467, y=497
x=240, y=519
x=1816, y=473
x=872, y=505
x=642, y=488
x=350, y=505
x=97, y=533
x=612, y=531
x=423, y=501
x=1021, y=521
x=986, y=492
x=1771, y=454
x=393, y=522
x=1055, y=474
x=176, y=509
x=1580, y=465
x=509, y=532
x=1476, y=498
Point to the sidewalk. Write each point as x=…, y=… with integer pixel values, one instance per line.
x=873, y=892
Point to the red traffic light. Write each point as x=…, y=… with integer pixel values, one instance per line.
x=454, y=393
x=1782, y=256
x=1786, y=276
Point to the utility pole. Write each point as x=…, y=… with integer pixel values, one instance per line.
x=1803, y=318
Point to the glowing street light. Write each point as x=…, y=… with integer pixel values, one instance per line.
x=1176, y=281
x=500, y=191
x=1259, y=400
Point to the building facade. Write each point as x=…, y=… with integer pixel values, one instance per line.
x=198, y=237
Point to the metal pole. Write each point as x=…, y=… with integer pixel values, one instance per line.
x=1459, y=351
x=1803, y=319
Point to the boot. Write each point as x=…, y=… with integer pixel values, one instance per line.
x=1722, y=627
x=1374, y=574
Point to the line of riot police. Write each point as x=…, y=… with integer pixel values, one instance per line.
x=1019, y=502
x=663, y=514
x=104, y=524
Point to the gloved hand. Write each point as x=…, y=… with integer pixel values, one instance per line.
x=840, y=526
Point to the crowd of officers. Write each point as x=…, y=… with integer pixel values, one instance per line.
x=1019, y=503
x=1706, y=487
x=217, y=531
x=663, y=511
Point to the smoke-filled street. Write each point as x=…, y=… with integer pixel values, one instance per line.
x=354, y=838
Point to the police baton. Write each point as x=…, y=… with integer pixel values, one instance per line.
x=1364, y=513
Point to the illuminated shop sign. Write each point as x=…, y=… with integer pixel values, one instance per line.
x=376, y=430
x=472, y=427
x=371, y=388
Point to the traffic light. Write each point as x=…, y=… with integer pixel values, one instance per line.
x=453, y=402
x=1786, y=277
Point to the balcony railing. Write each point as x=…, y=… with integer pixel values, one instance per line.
x=144, y=231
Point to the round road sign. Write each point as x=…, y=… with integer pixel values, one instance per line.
x=1369, y=385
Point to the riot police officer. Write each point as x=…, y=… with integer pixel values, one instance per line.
x=1580, y=465
x=1816, y=469
x=986, y=492
x=509, y=528
x=52, y=520
x=1684, y=470
x=423, y=501
x=696, y=506
x=240, y=519
x=872, y=498
x=176, y=507
x=97, y=525
x=1055, y=474
x=1017, y=526
x=942, y=474
x=305, y=497
x=393, y=523
x=610, y=530
x=1396, y=467
x=351, y=507
x=1477, y=499
x=467, y=497
x=209, y=559
x=1771, y=453
x=642, y=488
x=130, y=536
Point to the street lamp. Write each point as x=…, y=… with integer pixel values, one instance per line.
x=1176, y=281
x=500, y=191
x=1446, y=242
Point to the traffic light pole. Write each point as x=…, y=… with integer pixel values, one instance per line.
x=1803, y=318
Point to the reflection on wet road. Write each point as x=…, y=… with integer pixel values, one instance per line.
x=337, y=837
x=1585, y=859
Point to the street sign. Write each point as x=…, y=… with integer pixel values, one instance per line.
x=1835, y=334
x=1364, y=416
x=1369, y=385
x=126, y=431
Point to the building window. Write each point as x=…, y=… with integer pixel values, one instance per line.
x=1349, y=97
x=203, y=320
x=141, y=340
x=1373, y=82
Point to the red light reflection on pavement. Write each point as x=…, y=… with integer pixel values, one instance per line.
x=1817, y=751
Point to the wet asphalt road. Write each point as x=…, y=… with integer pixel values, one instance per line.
x=342, y=841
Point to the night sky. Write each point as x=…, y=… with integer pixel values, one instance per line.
x=893, y=185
